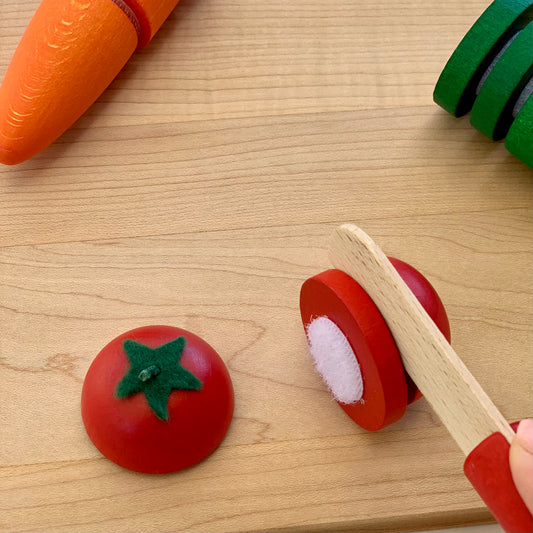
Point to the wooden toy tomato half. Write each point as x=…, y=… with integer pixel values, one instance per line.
x=353, y=348
x=336, y=296
x=157, y=399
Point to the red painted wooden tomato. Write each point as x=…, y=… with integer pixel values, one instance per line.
x=157, y=399
x=337, y=296
x=387, y=388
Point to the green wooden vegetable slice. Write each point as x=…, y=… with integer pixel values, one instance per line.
x=492, y=112
x=457, y=85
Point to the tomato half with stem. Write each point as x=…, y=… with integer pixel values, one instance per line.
x=157, y=399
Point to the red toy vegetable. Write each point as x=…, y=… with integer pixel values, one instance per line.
x=387, y=387
x=157, y=399
x=335, y=295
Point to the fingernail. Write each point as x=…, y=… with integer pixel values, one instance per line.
x=524, y=435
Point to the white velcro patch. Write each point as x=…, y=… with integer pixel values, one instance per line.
x=335, y=360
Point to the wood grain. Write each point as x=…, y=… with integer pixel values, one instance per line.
x=200, y=191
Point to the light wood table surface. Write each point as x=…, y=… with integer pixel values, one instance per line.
x=200, y=191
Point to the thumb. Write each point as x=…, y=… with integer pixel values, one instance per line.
x=521, y=462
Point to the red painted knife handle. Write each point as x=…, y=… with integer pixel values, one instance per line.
x=487, y=468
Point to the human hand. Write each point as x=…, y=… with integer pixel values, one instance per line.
x=521, y=462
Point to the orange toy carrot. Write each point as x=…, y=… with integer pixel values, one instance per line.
x=69, y=53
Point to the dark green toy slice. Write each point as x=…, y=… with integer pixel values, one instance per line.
x=492, y=112
x=519, y=140
x=456, y=88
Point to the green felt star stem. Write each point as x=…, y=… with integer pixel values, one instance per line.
x=156, y=372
